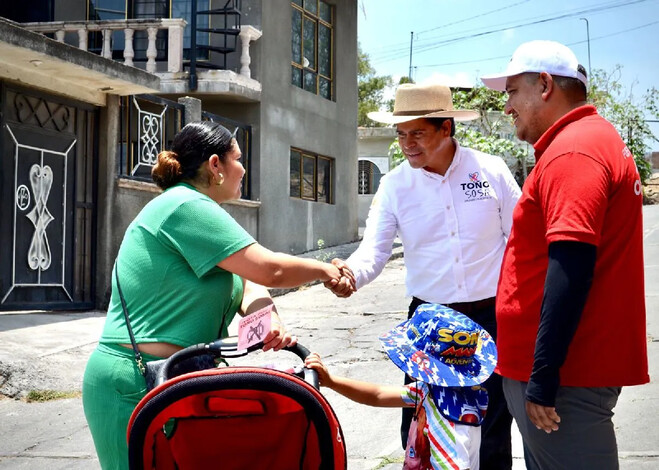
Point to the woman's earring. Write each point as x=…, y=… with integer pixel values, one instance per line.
x=220, y=179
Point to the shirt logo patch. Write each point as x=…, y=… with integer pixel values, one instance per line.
x=475, y=189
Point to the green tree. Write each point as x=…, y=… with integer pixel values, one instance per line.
x=370, y=88
x=397, y=155
x=626, y=114
x=493, y=132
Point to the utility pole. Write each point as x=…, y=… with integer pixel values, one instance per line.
x=409, y=74
x=588, y=40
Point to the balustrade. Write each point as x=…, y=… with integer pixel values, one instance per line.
x=174, y=26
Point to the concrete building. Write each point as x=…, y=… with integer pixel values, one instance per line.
x=92, y=90
x=374, y=162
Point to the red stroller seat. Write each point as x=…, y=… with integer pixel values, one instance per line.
x=236, y=418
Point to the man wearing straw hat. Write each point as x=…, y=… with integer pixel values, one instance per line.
x=452, y=208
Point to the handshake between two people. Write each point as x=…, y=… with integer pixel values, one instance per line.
x=346, y=284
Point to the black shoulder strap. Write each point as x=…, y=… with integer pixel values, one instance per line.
x=138, y=355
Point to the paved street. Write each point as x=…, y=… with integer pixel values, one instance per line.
x=49, y=351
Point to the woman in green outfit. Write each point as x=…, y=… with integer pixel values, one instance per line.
x=186, y=267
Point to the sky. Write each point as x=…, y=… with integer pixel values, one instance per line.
x=454, y=42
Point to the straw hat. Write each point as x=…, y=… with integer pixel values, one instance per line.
x=422, y=101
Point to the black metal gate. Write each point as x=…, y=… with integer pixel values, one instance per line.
x=48, y=203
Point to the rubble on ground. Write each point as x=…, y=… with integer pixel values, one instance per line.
x=651, y=190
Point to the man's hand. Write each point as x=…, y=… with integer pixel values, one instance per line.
x=346, y=285
x=543, y=417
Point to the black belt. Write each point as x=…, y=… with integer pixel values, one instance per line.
x=467, y=307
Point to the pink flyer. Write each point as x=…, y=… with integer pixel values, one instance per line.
x=253, y=328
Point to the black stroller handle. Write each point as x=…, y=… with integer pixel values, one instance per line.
x=227, y=348
x=310, y=375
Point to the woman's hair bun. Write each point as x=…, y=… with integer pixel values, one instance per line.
x=167, y=171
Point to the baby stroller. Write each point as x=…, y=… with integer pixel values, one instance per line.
x=235, y=417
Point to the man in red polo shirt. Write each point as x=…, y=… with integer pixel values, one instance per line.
x=570, y=301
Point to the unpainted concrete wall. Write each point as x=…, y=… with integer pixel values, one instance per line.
x=372, y=142
x=292, y=117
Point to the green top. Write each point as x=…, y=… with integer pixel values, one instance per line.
x=174, y=291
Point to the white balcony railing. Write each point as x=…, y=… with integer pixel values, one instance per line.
x=174, y=26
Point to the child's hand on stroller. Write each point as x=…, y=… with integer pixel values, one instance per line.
x=313, y=362
x=278, y=337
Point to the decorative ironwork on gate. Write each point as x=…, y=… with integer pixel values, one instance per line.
x=34, y=110
x=148, y=126
x=150, y=133
x=48, y=200
x=38, y=257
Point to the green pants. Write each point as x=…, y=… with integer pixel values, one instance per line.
x=111, y=389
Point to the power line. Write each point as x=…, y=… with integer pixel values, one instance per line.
x=395, y=54
x=546, y=20
x=508, y=55
x=592, y=9
x=436, y=42
x=496, y=10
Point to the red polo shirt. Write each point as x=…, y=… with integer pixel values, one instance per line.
x=585, y=187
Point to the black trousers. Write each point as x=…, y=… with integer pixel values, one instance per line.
x=496, y=448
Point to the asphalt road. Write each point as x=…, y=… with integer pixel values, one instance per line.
x=49, y=351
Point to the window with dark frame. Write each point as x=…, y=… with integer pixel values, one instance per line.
x=312, y=47
x=311, y=177
x=183, y=9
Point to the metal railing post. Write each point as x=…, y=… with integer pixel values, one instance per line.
x=193, y=45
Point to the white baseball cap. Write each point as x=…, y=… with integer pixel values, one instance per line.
x=539, y=56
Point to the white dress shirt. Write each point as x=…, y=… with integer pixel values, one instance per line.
x=454, y=227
